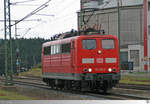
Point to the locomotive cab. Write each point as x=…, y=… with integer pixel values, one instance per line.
x=98, y=60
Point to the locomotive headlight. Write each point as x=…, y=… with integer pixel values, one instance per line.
x=99, y=51
x=110, y=70
x=90, y=69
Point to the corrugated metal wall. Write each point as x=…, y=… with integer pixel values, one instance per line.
x=131, y=26
x=131, y=23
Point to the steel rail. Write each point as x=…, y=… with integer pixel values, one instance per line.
x=120, y=85
x=110, y=96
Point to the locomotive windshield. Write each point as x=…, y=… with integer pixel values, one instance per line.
x=108, y=44
x=89, y=44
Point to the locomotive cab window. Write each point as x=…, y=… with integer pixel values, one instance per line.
x=89, y=44
x=108, y=44
x=47, y=50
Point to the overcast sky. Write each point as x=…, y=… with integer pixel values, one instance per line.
x=64, y=19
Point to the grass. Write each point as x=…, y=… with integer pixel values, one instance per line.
x=131, y=78
x=136, y=78
x=36, y=72
x=7, y=95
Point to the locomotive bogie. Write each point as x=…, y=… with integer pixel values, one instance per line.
x=85, y=82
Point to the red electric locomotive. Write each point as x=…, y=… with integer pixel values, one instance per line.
x=86, y=62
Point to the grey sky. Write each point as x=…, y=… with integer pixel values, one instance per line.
x=65, y=17
x=64, y=20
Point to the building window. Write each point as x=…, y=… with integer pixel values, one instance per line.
x=149, y=6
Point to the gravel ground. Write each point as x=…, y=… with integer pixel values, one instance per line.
x=41, y=94
x=139, y=93
x=76, y=102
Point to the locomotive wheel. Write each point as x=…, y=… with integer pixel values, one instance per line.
x=48, y=83
x=105, y=90
x=52, y=83
x=61, y=85
x=105, y=87
x=67, y=85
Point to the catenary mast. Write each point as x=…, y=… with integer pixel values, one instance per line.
x=8, y=44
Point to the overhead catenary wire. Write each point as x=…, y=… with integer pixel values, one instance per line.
x=56, y=19
x=67, y=7
x=63, y=17
x=27, y=5
x=29, y=29
x=22, y=21
x=26, y=32
x=70, y=4
x=66, y=15
x=45, y=15
x=85, y=22
x=33, y=12
x=69, y=15
x=106, y=3
x=14, y=3
x=60, y=3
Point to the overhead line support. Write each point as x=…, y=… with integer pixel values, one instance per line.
x=7, y=26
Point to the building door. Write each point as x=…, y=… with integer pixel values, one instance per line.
x=124, y=60
x=134, y=56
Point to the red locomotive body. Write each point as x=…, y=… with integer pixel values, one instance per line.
x=82, y=62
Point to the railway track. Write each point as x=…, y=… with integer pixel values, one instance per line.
x=120, y=85
x=110, y=96
x=134, y=86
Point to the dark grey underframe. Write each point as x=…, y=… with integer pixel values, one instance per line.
x=84, y=76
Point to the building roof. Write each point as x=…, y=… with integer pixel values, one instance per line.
x=111, y=3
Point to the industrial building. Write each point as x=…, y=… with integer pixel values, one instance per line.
x=103, y=15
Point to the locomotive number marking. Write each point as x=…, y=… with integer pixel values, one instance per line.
x=101, y=69
x=99, y=60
